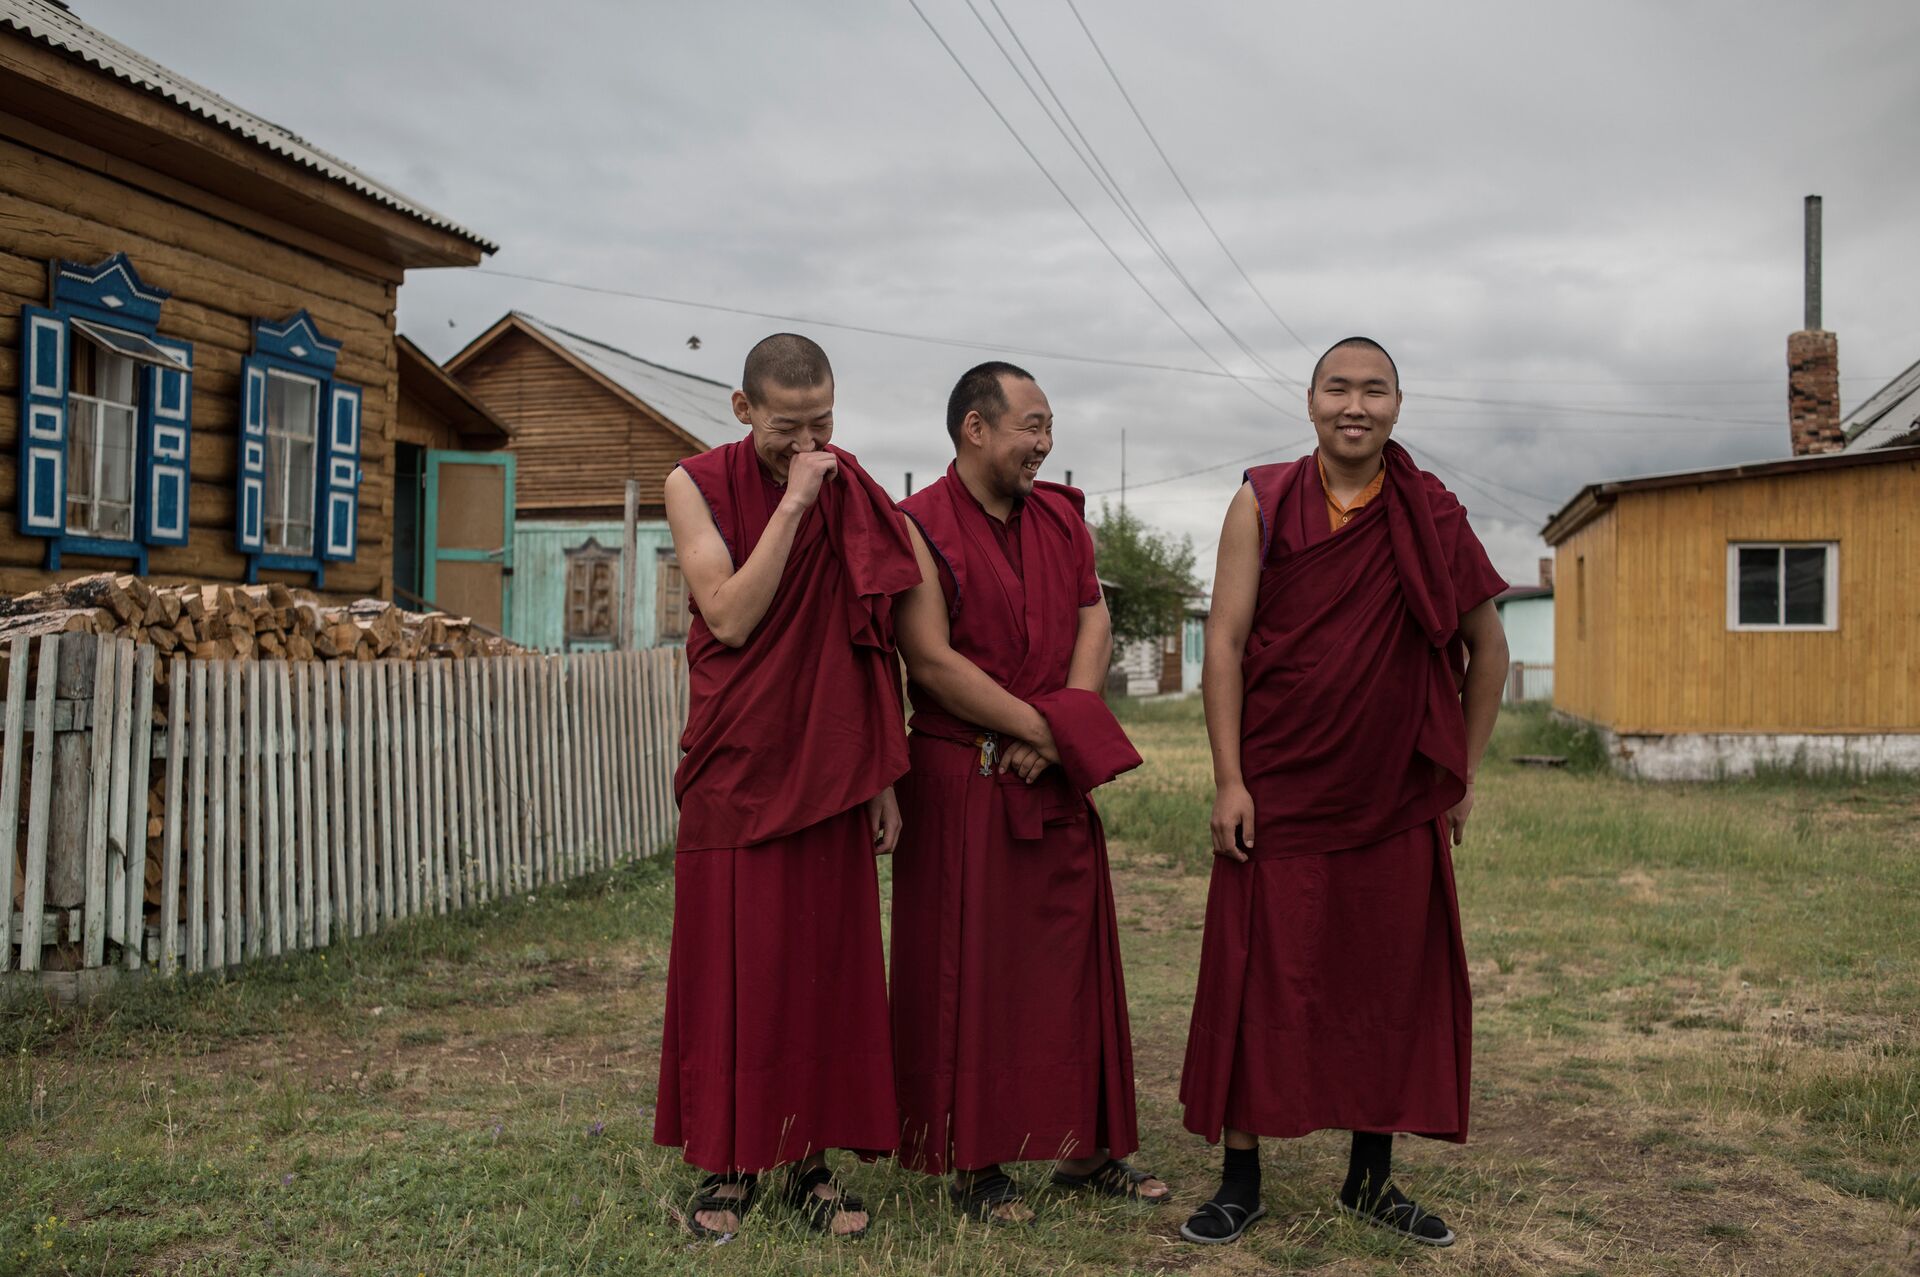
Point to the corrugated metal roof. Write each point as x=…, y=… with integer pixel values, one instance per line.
x=1890, y=414
x=698, y=405
x=1586, y=504
x=56, y=26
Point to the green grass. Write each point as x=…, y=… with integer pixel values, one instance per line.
x=1696, y=1039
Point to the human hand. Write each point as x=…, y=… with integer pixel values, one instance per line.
x=883, y=817
x=1457, y=816
x=805, y=473
x=1023, y=760
x=1232, y=823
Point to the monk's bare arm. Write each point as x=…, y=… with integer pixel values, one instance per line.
x=1092, y=649
x=1236, y=586
x=926, y=642
x=1487, y=658
x=732, y=600
x=1487, y=667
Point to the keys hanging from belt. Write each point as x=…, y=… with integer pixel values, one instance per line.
x=989, y=745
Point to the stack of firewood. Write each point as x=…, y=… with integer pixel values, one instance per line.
x=242, y=622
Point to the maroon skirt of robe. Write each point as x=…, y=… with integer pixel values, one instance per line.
x=1333, y=994
x=1009, y=1008
x=775, y=1044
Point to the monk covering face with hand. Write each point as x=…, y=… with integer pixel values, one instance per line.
x=1346, y=725
x=1009, y=1011
x=775, y=1047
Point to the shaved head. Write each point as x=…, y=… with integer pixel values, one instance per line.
x=787, y=360
x=1365, y=343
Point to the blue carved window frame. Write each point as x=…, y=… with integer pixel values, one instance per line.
x=295, y=345
x=108, y=294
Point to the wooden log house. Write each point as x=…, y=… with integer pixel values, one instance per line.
x=198, y=360
x=585, y=417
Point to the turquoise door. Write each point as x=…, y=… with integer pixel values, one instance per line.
x=467, y=536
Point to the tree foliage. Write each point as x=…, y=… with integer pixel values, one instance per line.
x=1152, y=573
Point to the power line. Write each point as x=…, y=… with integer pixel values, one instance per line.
x=1084, y=219
x=1218, y=465
x=1030, y=352
x=1181, y=183
x=1108, y=183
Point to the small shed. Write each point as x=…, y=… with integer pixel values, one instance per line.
x=587, y=416
x=1718, y=620
x=1526, y=614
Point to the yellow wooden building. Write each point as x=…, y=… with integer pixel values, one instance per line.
x=1769, y=614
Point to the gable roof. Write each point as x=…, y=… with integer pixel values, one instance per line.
x=54, y=25
x=1889, y=415
x=419, y=375
x=699, y=407
x=1590, y=501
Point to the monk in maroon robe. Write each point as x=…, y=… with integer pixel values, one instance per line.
x=776, y=1045
x=1346, y=723
x=1009, y=1011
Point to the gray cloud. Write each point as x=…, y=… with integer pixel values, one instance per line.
x=1581, y=208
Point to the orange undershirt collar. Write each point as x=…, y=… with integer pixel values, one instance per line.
x=1339, y=515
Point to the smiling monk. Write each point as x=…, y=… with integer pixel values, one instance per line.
x=1009, y=1011
x=1354, y=663
x=776, y=1047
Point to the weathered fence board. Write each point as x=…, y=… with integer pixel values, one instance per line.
x=305, y=804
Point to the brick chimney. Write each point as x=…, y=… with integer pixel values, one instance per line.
x=1813, y=363
x=1546, y=573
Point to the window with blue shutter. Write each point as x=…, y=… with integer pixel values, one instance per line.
x=105, y=417
x=298, y=500
x=43, y=423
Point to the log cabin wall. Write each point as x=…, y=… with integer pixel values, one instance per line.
x=222, y=277
x=103, y=152
x=577, y=441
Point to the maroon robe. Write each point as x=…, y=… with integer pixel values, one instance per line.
x=1333, y=984
x=775, y=1043
x=1009, y=1011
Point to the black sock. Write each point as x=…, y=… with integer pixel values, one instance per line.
x=1239, y=1186
x=1369, y=1167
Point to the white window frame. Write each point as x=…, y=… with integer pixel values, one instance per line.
x=281, y=481
x=1832, y=581
x=96, y=407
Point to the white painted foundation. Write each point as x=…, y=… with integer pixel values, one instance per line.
x=1727, y=755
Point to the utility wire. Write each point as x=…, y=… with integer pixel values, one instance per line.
x=1181, y=183
x=1108, y=183
x=1218, y=465
x=1072, y=357
x=1085, y=220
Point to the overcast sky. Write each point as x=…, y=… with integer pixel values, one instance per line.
x=1566, y=209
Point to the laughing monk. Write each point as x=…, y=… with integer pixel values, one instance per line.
x=1009, y=1012
x=775, y=1047
x=1346, y=723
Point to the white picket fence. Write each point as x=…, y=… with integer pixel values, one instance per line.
x=306, y=803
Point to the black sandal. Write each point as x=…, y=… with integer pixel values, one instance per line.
x=984, y=1192
x=1236, y=1217
x=1394, y=1211
x=708, y=1200
x=1114, y=1179
x=819, y=1211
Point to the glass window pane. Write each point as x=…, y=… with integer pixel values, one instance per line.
x=1759, y=585
x=116, y=461
x=81, y=434
x=1806, y=585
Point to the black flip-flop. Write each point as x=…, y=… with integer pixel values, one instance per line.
x=983, y=1193
x=1397, y=1213
x=819, y=1211
x=708, y=1200
x=1236, y=1217
x=1113, y=1179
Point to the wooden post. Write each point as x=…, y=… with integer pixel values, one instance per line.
x=629, y=565
x=66, y=883
x=10, y=786
x=140, y=763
